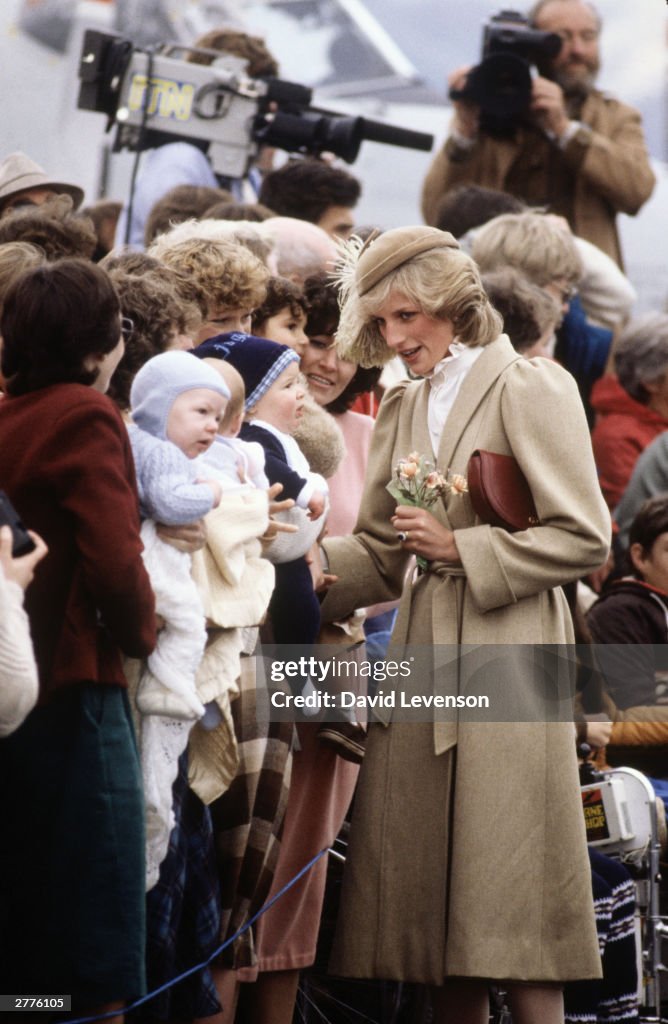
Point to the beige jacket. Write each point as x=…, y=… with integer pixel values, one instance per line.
x=518, y=898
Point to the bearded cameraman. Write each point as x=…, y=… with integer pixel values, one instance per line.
x=574, y=149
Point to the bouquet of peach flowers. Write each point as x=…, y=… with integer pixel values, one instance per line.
x=417, y=481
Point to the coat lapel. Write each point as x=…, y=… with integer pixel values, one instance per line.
x=497, y=356
x=419, y=427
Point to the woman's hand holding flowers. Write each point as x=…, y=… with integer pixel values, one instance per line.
x=425, y=536
x=418, y=485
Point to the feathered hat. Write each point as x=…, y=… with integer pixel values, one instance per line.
x=359, y=268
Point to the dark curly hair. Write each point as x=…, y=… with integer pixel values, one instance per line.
x=321, y=296
x=55, y=317
x=305, y=189
x=322, y=300
x=130, y=261
x=153, y=304
x=281, y=292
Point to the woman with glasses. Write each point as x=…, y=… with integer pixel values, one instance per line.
x=72, y=843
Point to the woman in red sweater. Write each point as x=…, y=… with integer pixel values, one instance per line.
x=632, y=407
x=71, y=846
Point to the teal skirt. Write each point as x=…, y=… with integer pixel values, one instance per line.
x=72, y=899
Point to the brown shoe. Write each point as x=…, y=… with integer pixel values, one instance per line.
x=346, y=739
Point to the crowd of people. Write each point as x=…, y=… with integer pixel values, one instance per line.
x=199, y=421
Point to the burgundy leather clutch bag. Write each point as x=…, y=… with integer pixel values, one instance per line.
x=499, y=491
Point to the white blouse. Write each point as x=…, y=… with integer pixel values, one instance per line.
x=445, y=381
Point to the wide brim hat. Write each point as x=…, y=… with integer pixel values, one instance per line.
x=361, y=267
x=18, y=173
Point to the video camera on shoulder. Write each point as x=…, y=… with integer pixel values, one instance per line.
x=501, y=84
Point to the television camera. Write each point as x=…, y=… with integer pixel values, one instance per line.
x=155, y=96
x=501, y=84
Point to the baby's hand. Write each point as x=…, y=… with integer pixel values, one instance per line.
x=216, y=489
x=316, y=505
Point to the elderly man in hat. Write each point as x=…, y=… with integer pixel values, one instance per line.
x=25, y=183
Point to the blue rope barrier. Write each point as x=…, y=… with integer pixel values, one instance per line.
x=205, y=963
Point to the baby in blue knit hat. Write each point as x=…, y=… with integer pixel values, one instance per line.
x=177, y=403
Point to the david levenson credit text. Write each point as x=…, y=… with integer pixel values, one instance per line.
x=348, y=699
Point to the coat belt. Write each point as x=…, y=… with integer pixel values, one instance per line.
x=446, y=640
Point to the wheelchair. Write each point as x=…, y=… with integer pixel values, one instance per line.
x=625, y=822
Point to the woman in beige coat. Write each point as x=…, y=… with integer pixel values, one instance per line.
x=467, y=859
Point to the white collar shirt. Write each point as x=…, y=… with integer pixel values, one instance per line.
x=445, y=380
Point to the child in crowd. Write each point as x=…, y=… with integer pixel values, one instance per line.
x=235, y=581
x=177, y=404
x=282, y=315
x=633, y=610
x=282, y=318
x=273, y=406
x=629, y=626
x=241, y=461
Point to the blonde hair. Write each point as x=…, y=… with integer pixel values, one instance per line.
x=244, y=232
x=444, y=283
x=227, y=274
x=538, y=245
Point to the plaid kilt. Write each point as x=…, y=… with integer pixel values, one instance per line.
x=183, y=914
x=248, y=818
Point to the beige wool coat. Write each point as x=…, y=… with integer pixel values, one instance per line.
x=468, y=854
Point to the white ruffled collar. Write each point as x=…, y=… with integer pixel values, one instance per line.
x=458, y=362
